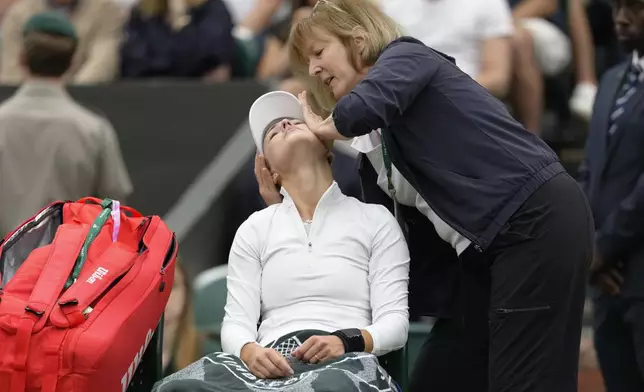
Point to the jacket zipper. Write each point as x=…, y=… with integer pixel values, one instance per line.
x=522, y=310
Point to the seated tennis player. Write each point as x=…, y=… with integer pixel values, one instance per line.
x=317, y=285
x=318, y=261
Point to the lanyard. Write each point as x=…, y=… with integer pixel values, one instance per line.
x=94, y=230
x=387, y=160
x=392, y=189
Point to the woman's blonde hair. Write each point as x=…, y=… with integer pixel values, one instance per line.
x=346, y=20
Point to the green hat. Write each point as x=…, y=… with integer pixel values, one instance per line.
x=50, y=22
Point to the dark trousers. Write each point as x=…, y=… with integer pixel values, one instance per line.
x=455, y=355
x=538, y=271
x=619, y=342
x=447, y=362
x=521, y=303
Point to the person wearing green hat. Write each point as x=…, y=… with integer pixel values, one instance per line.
x=51, y=148
x=98, y=28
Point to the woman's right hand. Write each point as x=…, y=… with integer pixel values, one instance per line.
x=267, y=188
x=265, y=362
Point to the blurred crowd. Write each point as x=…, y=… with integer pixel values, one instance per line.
x=511, y=47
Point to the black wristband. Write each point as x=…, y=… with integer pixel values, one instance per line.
x=352, y=339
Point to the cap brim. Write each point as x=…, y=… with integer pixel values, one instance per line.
x=268, y=108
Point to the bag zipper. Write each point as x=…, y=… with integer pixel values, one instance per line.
x=523, y=310
x=29, y=223
x=170, y=254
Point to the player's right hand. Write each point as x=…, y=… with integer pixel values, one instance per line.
x=265, y=362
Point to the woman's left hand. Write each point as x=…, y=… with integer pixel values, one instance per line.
x=325, y=130
x=319, y=349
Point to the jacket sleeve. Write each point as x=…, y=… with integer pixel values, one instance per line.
x=390, y=87
x=623, y=229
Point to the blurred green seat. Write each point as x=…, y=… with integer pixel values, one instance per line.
x=395, y=363
x=209, y=299
x=418, y=333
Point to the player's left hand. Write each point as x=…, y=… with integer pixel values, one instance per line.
x=318, y=349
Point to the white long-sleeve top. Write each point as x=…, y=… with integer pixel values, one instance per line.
x=349, y=269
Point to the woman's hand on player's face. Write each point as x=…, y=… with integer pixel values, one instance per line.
x=324, y=129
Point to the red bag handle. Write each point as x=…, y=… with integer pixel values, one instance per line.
x=134, y=213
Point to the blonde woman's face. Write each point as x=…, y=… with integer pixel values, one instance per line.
x=329, y=60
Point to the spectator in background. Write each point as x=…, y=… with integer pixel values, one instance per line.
x=51, y=148
x=180, y=340
x=126, y=5
x=4, y=6
x=179, y=39
x=274, y=63
x=583, y=96
x=541, y=48
x=98, y=24
x=613, y=178
x=476, y=33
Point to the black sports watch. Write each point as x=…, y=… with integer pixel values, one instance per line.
x=352, y=340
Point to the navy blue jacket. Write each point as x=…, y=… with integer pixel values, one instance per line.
x=449, y=137
x=151, y=47
x=613, y=178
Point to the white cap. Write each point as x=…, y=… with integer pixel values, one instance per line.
x=268, y=108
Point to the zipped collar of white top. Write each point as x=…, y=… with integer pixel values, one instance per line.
x=331, y=196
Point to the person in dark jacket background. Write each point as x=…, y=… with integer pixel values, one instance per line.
x=612, y=175
x=178, y=39
x=497, y=193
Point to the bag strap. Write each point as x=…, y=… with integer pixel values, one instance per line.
x=74, y=306
x=392, y=190
x=94, y=230
x=67, y=242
